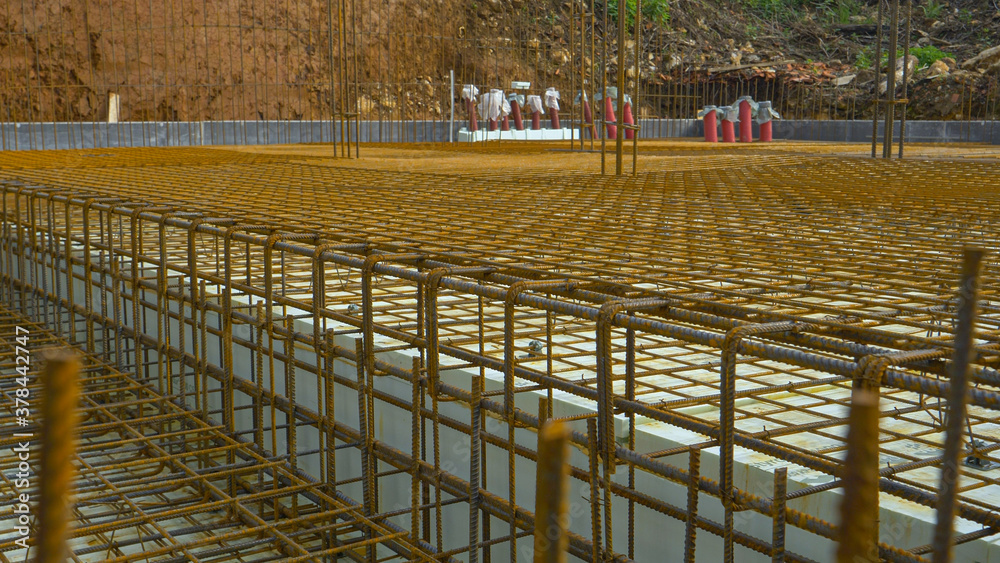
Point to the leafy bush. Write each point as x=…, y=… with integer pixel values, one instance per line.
x=866, y=58
x=840, y=11
x=933, y=8
x=656, y=10
x=863, y=60
x=926, y=56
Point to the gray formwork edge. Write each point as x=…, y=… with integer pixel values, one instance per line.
x=89, y=135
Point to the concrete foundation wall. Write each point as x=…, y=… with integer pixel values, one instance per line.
x=854, y=131
x=37, y=136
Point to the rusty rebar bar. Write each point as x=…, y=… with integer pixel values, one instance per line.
x=859, y=508
x=955, y=423
x=876, y=98
x=552, y=496
x=620, y=110
x=890, y=88
x=906, y=76
x=61, y=393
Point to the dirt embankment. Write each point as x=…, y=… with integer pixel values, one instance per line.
x=271, y=59
x=218, y=59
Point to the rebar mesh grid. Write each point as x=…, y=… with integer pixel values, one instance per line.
x=156, y=482
x=741, y=293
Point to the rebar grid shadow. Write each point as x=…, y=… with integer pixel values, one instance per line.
x=475, y=338
x=157, y=482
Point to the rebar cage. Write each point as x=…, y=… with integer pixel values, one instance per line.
x=284, y=362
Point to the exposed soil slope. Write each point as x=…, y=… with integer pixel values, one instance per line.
x=271, y=59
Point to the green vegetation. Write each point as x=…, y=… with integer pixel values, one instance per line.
x=841, y=11
x=933, y=8
x=926, y=56
x=863, y=60
x=866, y=58
x=656, y=10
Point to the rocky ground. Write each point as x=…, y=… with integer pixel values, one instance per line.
x=824, y=50
x=265, y=59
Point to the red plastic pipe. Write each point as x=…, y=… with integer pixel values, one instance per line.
x=473, y=124
x=505, y=124
x=536, y=120
x=609, y=116
x=493, y=124
x=554, y=118
x=629, y=120
x=588, y=118
x=746, y=122
x=728, y=131
x=766, y=133
x=515, y=111
x=711, y=127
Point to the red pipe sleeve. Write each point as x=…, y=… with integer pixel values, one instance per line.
x=766, y=132
x=629, y=120
x=728, y=131
x=746, y=122
x=515, y=112
x=473, y=124
x=711, y=127
x=588, y=117
x=609, y=116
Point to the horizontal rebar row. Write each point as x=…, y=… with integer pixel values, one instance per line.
x=735, y=299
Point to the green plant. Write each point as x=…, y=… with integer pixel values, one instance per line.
x=863, y=60
x=926, y=56
x=840, y=11
x=933, y=8
x=656, y=10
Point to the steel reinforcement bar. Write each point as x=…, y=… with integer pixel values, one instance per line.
x=156, y=480
x=309, y=351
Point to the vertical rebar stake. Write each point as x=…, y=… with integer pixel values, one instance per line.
x=968, y=294
x=619, y=142
x=857, y=519
x=552, y=507
x=878, y=71
x=691, y=527
x=906, y=77
x=778, y=515
x=890, y=80
x=637, y=32
x=59, y=412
